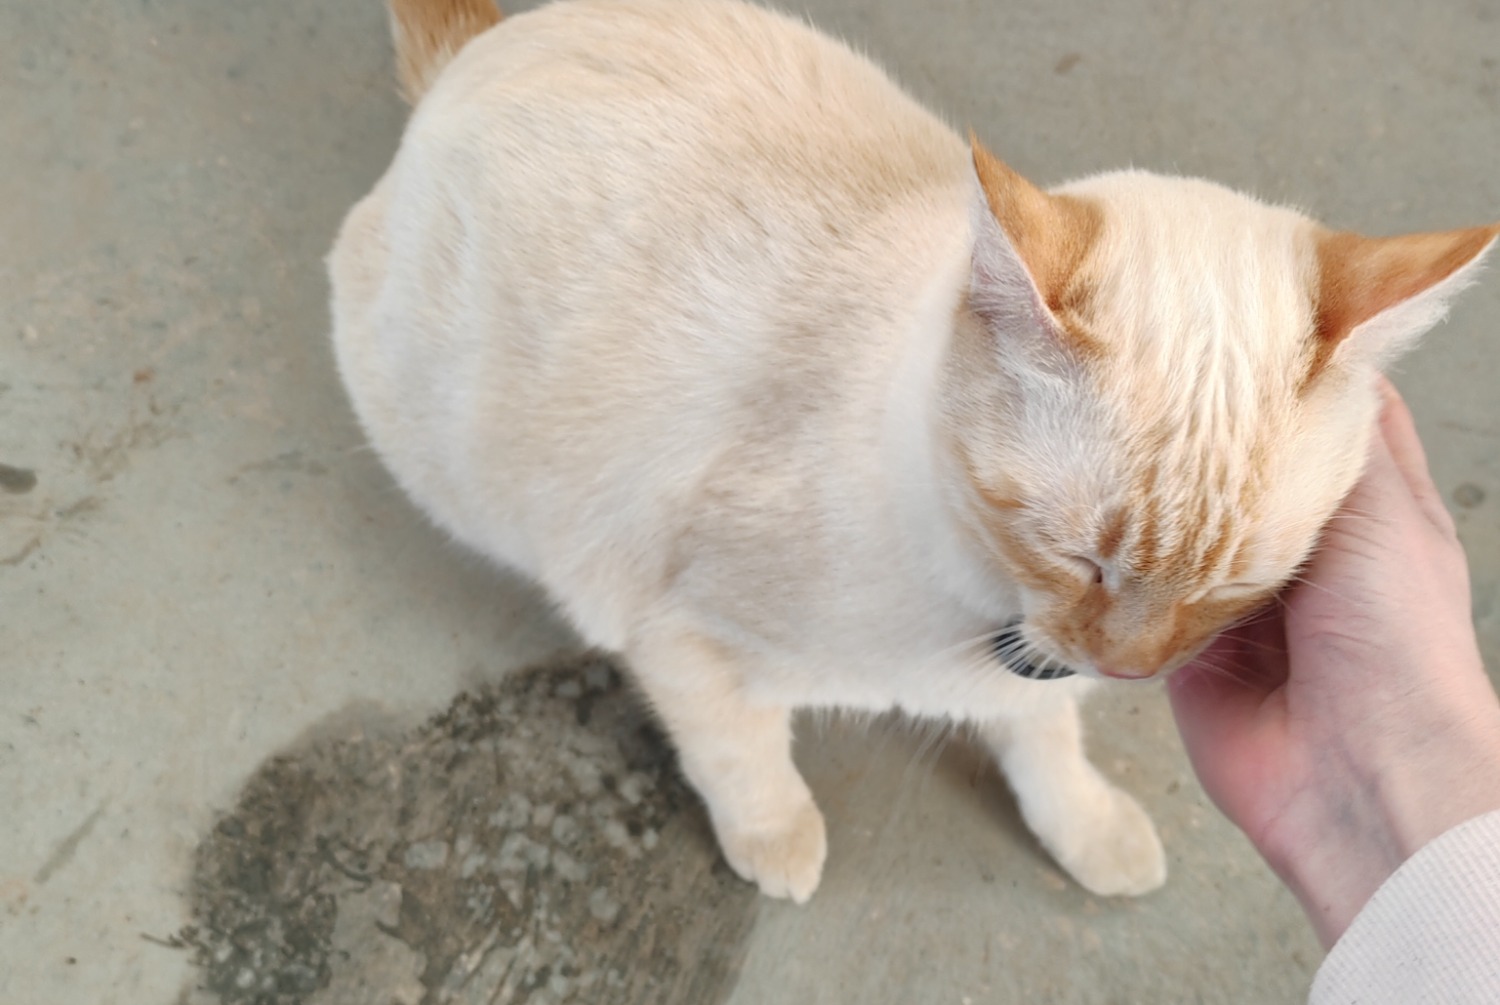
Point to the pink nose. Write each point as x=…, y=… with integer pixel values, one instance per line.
x=1125, y=673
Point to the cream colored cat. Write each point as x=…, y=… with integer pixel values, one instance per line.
x=794, y=398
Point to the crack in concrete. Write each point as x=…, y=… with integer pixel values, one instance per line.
x=68, y=846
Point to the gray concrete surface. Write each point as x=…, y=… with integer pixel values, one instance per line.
x=208, y=565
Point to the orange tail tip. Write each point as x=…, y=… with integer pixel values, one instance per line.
x=429, y=33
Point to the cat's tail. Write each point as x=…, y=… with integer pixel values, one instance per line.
x=429, y=33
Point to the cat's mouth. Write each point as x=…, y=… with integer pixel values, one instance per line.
x=1013, y=652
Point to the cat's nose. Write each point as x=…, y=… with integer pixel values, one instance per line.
x=1124, y=672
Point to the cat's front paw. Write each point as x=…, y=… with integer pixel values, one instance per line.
x=1117, y=852
x=785, y=859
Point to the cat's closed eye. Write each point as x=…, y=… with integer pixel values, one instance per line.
x=1086, y=569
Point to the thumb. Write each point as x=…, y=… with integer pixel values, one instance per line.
x=1220, y=694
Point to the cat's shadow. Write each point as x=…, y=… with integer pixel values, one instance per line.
x=888, y=785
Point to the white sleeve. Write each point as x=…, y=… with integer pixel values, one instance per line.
x=1431, y=933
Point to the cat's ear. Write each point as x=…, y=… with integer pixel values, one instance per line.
x=1376, y=295
x=1028, y=248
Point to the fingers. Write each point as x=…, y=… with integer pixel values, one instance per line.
x=1399, y=431
x=1224, y=688
x=1399, y=445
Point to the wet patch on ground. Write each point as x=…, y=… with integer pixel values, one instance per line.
x=16, y=481
x=533, y=843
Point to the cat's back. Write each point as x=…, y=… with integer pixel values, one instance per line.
x=708, y=56
x=617, y=231
x=585, y=179
x=614, y=97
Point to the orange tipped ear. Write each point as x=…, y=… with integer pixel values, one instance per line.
x=1050, y=233
x=1388, y=289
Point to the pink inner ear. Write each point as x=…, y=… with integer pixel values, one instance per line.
x=1361, y=277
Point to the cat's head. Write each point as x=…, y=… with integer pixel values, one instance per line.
x=1159, y=392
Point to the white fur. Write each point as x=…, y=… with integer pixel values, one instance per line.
x=656, y=303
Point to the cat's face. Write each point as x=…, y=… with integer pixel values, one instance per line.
x=1136, y=538
x=1156, y=414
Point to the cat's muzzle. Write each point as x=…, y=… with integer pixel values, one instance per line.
x=1009, y=647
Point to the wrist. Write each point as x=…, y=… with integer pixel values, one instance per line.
x=1335, y=847
x=1452, y=778
x=1332, y=855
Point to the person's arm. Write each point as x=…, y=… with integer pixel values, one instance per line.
x=1355, y=723
x=1431, y=934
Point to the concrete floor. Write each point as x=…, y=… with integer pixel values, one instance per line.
x=207, y=564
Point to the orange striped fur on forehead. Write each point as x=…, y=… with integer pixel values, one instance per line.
x=1188, y=439
x=1090, y=618
x=1168, y=525
x=1183, y=526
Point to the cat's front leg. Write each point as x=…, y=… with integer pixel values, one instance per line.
x=738, y=755
x=1095, y=831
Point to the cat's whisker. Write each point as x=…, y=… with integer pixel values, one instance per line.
x=1254, y=618
x=933, y=736
x=1261, y=646
x=1237, y=674
x=1356, y=517
x=1313, y=584
x=982, y=644
x=1346, y=511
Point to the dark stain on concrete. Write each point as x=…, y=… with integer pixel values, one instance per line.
x=532, y=844
x=16, y=481
x=106, y=451
x=80, y=507
x=1468, y=495
x=59, y=517
x=23, y=553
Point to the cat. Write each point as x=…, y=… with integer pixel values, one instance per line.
x=794, y=398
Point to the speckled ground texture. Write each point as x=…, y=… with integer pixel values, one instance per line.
x=252, y=733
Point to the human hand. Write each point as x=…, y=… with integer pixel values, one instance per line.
x=1354, y=723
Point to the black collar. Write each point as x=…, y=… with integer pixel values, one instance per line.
x=1008, y=640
